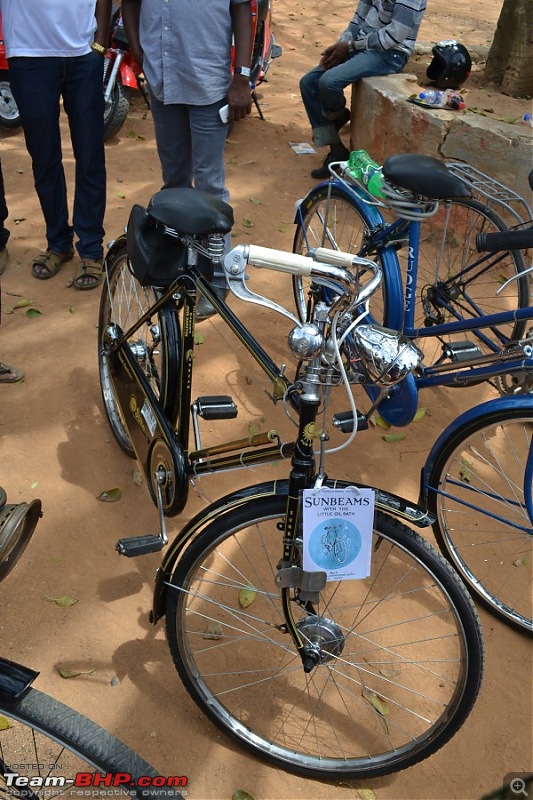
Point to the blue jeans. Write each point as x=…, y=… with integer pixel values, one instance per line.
x=190, y=143
x=323, y=90
x=38, y=83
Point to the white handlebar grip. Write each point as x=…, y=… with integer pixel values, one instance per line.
x=334, y=257
x=265, y=257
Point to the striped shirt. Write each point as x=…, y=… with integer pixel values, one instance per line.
x=386, y=25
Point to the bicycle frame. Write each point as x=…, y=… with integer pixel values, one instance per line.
x=400, y=405
x=163, y=450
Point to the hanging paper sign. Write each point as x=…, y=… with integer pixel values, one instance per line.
x=337, y=532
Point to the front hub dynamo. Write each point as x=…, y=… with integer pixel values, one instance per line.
x=325, y=637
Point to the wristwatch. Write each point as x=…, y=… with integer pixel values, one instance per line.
x=99, y=48
x=245, y=71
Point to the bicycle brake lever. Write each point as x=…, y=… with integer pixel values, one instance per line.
x=236, y=278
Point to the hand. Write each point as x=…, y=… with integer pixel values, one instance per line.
x=239, y=98
x=138, y=55
x=334, y=55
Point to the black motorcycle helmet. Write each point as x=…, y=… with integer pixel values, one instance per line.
x=451, y=65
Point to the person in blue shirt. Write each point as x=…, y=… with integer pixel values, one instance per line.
x=184, y=48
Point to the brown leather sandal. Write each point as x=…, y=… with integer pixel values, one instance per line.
x=48, y=264
x=89, y=274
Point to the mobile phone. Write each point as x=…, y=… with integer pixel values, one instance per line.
x=224, y=113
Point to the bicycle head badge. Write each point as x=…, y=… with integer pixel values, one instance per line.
x=386, y=356
x=451, y=64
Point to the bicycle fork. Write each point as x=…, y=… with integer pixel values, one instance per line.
x=316, y=638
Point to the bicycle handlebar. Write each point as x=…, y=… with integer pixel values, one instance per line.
x=331, y=265
x=504, y=240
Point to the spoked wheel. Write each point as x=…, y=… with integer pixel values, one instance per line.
x=401, y=653
x=480, y=488
x=333, y=220
x=156, y=344
x=456, y=282
x=48, y=746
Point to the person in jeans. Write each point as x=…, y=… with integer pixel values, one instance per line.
x=184, y=47
x=54, y=50
x=378, y=41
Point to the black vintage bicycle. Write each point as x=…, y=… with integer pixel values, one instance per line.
x=328, y=678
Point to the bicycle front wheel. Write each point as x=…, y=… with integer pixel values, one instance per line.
x=401, y=651
x=479, y=487
x=456, y=282
x=49, y=744
x=156, y=344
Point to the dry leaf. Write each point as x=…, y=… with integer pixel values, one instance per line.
x=376, y=701
x=67, y=672
x=420, y=413
x=110, y=496
x=213, y=631
x=64, y=601
x=394, y=437
x=4, y=724
x=246, y=597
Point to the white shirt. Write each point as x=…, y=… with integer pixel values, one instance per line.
x=60, y=28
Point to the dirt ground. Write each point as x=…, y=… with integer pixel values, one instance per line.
x=55, y=444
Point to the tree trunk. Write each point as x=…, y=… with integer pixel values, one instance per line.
x=510, y=59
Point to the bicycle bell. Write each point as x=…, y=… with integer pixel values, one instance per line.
x=306, y=341
x=387, y=356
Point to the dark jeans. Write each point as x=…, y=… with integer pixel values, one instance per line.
x=323, y=90
x=38, y=85
x=4, y=233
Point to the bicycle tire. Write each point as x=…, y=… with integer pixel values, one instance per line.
x=352, y=222
x=41, y=736
x=482, y=461
x=239, y=664
x=158, y=347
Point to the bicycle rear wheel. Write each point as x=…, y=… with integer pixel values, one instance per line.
x=477, y=488
x=401, y=651
x=44, y=741
x=456, y=282
x=156, y=344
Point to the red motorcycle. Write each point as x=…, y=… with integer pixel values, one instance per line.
x=9, y=113
x=121, y=74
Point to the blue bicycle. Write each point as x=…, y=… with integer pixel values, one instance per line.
x=466, y=314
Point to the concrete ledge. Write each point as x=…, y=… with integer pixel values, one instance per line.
x=384, y=123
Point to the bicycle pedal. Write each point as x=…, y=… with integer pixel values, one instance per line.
x=139, y=545
x=344, y=422
x=215, y=407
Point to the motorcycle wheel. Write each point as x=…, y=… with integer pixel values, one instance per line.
x=115, y=111
x=9, y=113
